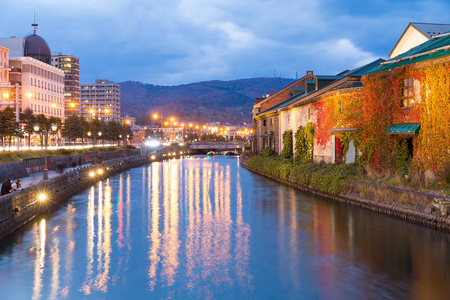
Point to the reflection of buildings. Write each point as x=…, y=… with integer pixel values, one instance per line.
x=211, y=242
x=71, y=67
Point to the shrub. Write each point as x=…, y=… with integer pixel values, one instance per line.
x=329, y=178
x=304, y=140
x=287, y=144
x=267, y=152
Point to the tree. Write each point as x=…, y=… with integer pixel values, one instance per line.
x=44, y=125
x=54, y=121
x=85, y=128
x=126, y=131
x=9, y=127
x=29, y=120
x=113, y=130
x=73, y=128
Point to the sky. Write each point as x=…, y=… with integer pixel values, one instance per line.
x=173, y=42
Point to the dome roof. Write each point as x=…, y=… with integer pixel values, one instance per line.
x=36, y=47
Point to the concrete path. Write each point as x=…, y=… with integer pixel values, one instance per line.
x=35, y=178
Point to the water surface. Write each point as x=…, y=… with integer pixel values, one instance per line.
x=205, y=228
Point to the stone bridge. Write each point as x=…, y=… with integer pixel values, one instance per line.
x=205, y=146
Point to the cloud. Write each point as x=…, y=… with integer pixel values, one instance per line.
x=182, y=41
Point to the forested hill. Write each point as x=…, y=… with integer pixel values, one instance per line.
x=208, y=101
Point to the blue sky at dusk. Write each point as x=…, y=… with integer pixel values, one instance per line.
x=174, y=42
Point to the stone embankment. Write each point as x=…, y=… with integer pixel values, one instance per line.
x=17, y=208
x=12, y=170
x=418, y=207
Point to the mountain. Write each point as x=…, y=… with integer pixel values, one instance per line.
x=207, y=101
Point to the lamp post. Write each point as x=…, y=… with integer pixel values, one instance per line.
x=155, y=116
x=37, y=128
x=93, y=142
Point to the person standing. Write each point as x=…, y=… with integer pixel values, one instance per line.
x=79, y=160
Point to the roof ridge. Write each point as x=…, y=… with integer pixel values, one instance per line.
x=429, y=23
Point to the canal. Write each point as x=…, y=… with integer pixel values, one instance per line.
x=205, y=228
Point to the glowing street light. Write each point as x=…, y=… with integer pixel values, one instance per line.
x=90, y=134
x=37, y=128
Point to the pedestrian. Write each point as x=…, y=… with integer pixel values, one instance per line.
x=6, y=187
x=79, y=160
x=16, y=186
x=60, y=167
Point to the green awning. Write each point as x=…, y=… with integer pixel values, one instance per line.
x=405, y=128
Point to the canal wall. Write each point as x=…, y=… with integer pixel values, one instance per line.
x=36, y=164
x=421, y=208
x=12, y=170
x=19, y=207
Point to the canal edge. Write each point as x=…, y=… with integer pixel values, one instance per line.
x=20, y=207
x=398, y=210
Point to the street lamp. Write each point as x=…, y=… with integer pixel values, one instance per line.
x=93, y=142
x=37, y=128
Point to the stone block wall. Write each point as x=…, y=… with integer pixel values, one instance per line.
x=12, y=171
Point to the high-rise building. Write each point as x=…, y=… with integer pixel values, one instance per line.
x=100, y=100
x=71, y=67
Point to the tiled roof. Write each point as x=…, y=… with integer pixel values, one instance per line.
x=430, y=29
x=355, y=72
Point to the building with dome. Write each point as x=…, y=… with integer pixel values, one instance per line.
x=37, y=48
x=33, y=81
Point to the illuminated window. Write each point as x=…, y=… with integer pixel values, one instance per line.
x=408, y=93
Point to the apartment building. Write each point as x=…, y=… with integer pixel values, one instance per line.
x=71, y=67
x=101, y=100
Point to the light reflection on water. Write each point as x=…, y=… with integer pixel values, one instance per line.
x=206, y=228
